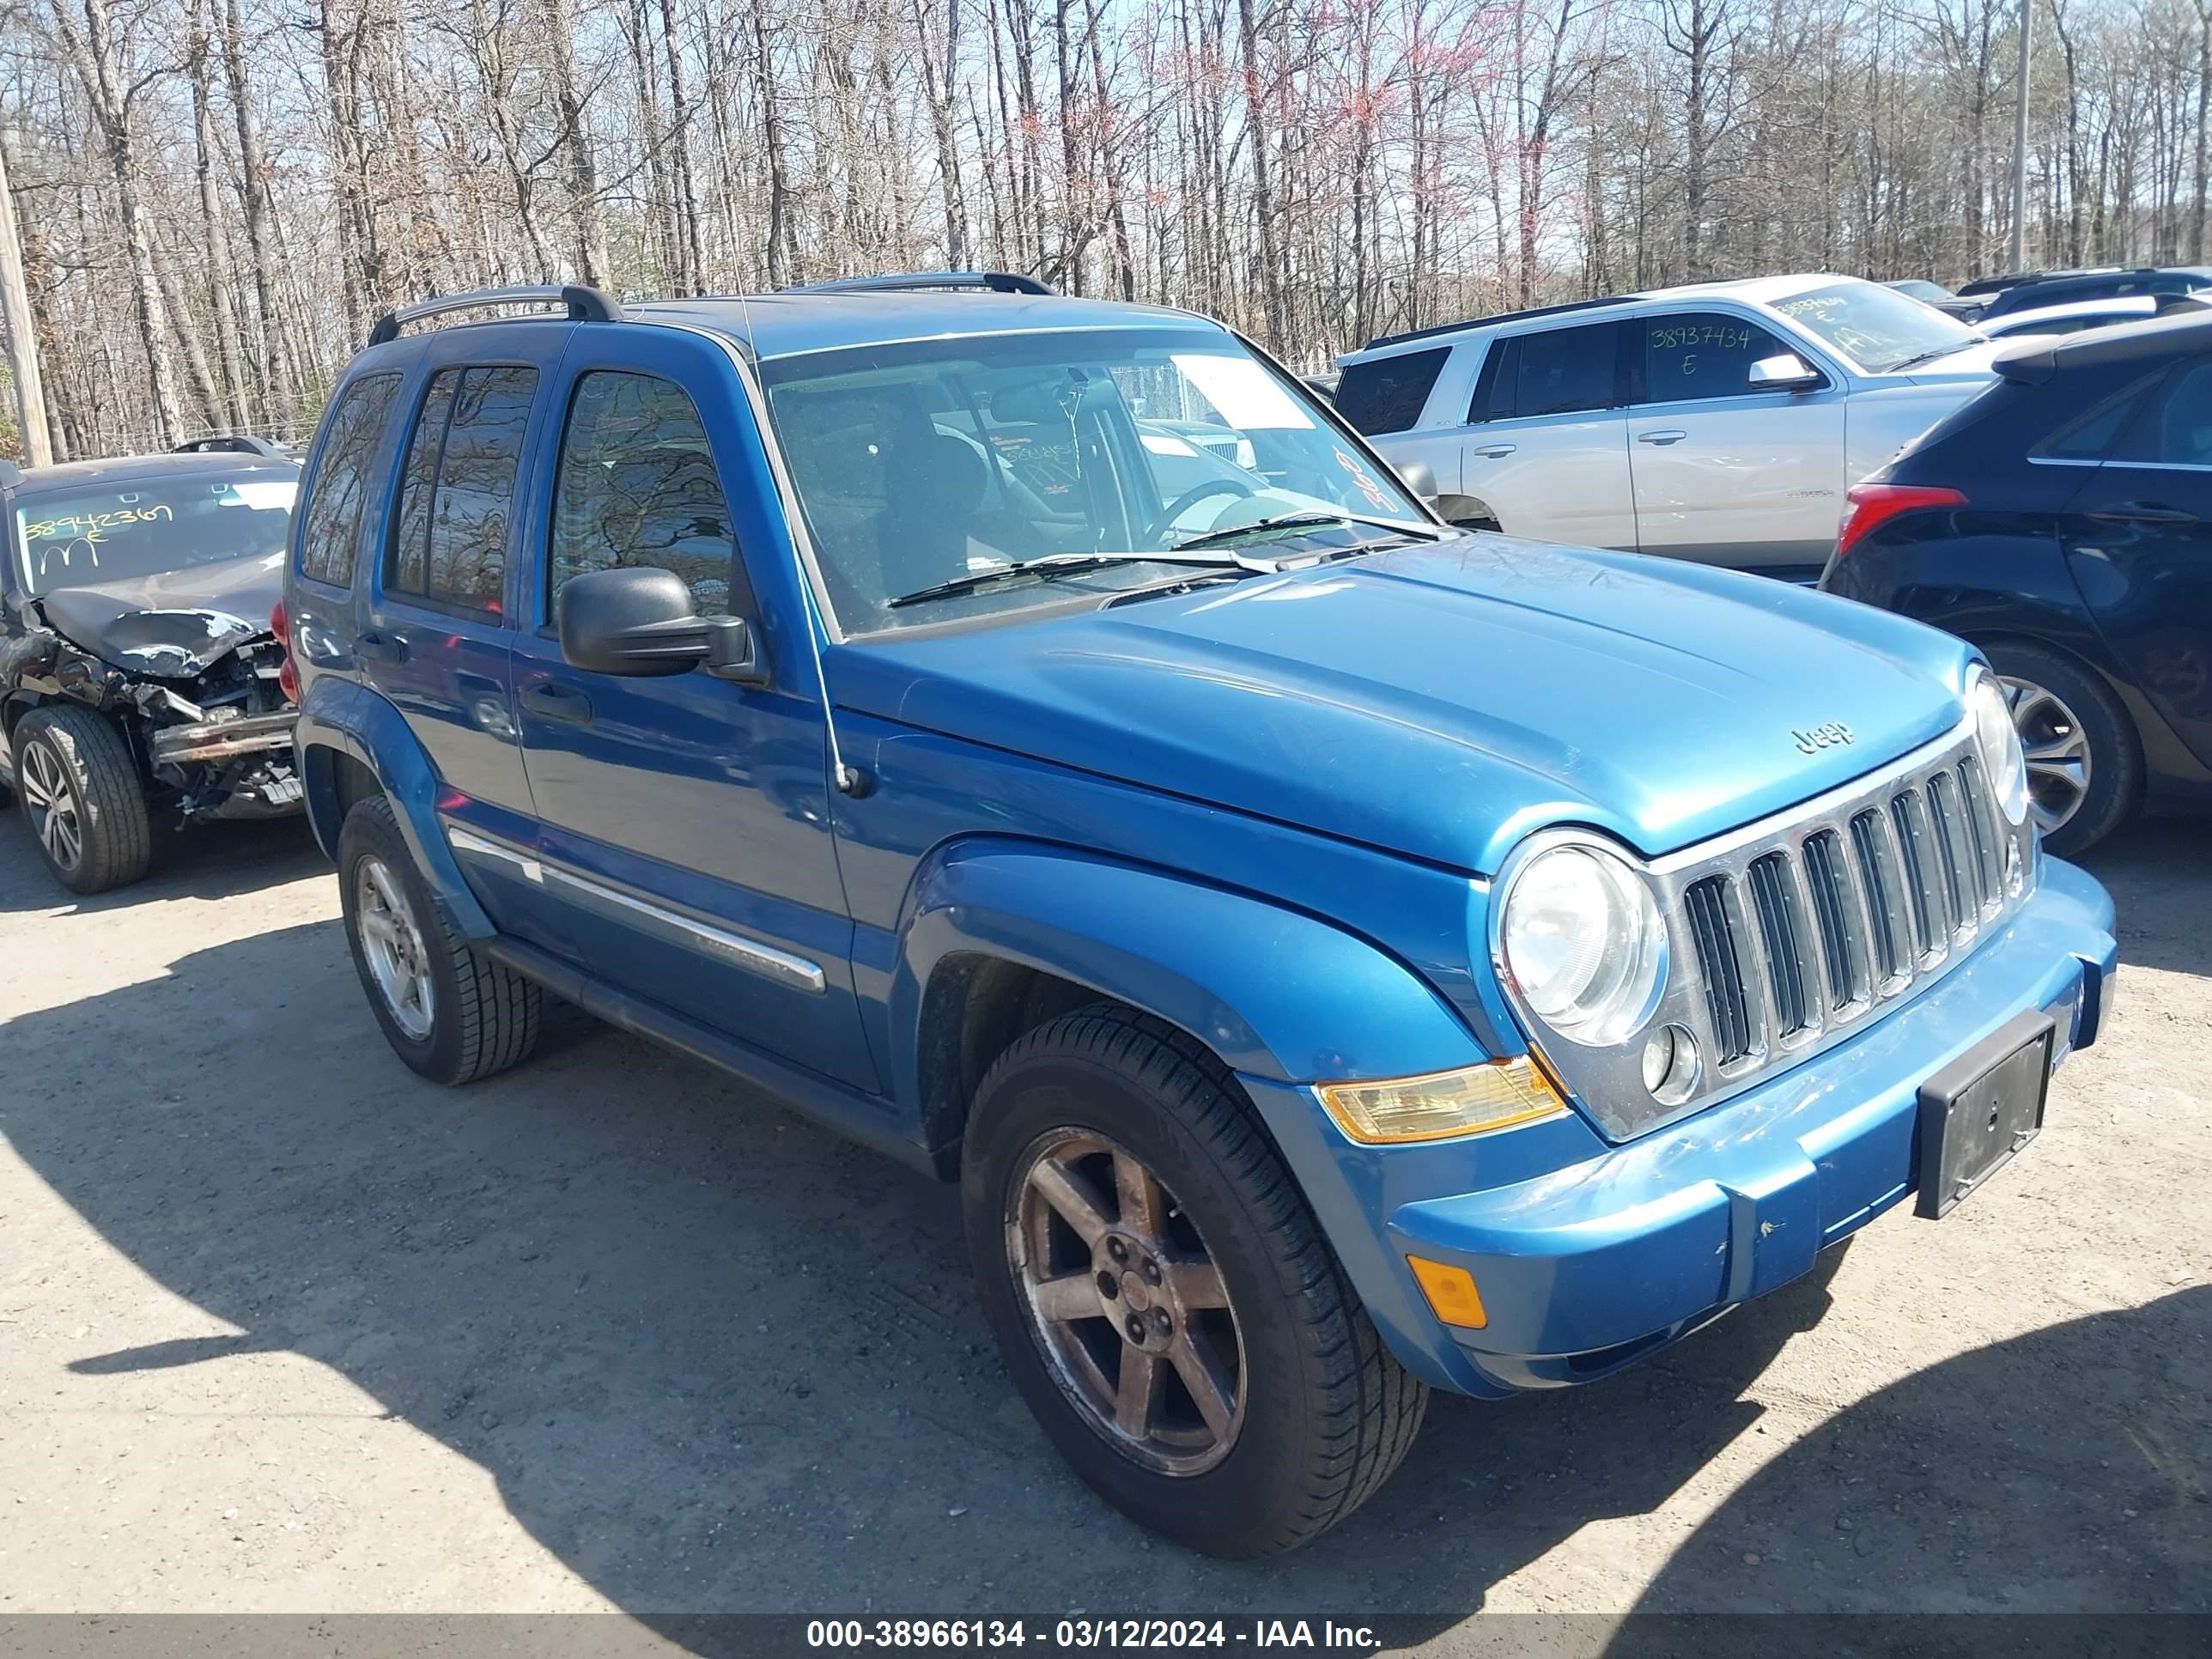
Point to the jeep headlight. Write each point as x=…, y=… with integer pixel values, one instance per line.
x=1582, y=942
x=1998, y=740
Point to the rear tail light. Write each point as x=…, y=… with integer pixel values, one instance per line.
x=288, y=678
x=1874, y=504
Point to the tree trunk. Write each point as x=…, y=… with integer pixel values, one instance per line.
x=591, y=246
x=229, y=350
x=694, y=258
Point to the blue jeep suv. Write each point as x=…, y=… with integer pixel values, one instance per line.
x=1335, y=955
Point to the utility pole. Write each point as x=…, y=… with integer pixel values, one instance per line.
x=2018, y=259
x=22, y=338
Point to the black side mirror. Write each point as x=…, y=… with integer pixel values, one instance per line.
x=641, y=621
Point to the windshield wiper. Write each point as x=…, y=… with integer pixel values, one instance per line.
x=1071, y=564
x=1304, y=518
x=1934, y=352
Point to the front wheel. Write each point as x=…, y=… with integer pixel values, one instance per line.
x=1163, y=1300
x=85, y=800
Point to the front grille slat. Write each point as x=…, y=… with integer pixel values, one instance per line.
x=1918, y=861
x=1879, y=882
x=1955, y=846
x=1825, y=876
x=1789, y=976
x=1706, y=906
x=1982, y=825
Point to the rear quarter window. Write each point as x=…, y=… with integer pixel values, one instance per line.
x=1386, y=394
x=329, y=518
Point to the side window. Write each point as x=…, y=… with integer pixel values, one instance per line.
x=1561, y=371
x=457, y=490
x=2088, y=436
x=2175, y=427
x=1693, y=354
x=1387, y=394
x=638, y=487
x=331, y=521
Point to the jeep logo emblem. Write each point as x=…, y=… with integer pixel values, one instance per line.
x=1815, y=738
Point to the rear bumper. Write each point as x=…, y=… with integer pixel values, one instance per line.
x=1604, y=1254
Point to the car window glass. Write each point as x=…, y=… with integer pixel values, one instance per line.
x=1691, y=354
x=2175, y=428
x=638, y=489
x=2089, y=435
x=1562, y=370
x=332, y=519
x=462, y=557
x=1387, y=394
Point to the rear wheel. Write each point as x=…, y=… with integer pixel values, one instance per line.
x=2084, y=761
x=1163, y=1299
x=83, y=797
x=448, y=1009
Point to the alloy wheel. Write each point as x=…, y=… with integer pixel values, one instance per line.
x=55, y=817
x=393, y=945
x=1127, y=1303
x=2056, y=749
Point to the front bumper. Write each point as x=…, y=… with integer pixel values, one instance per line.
x=1589, y=1255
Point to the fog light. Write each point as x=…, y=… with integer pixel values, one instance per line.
x=1670, y=1064
x=1452, y=1295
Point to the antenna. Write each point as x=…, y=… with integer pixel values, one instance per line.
x=852, y=782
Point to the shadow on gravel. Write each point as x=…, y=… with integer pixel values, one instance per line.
x=717, y=1360
x=2156, y=870
x=2076, y=1478
x=213, y=860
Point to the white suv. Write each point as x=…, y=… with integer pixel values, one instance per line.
x=1721, y=422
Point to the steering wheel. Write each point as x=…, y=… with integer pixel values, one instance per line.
x=1191, y=497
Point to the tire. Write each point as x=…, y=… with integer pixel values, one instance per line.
x=83, y=797
x=1321, y=1412
x=450, y=1013
x=2049, y=690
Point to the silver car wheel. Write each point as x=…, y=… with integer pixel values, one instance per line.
x=1126, y=1304
x=393, y=945
x=53, y=804
x=2059, y=764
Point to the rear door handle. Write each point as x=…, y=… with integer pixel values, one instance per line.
x=1673, y=434
x=2143, y=512
x=557, y=699
x=379, y=646
x=1493, y=452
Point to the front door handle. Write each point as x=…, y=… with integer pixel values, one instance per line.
x=1673, y=434
x=2143, y=512
x=373, y=645
x=557, y=699
x=1493, y=452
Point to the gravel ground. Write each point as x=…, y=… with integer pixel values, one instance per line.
x=283, y=1328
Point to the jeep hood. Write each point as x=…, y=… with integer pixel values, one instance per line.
x=173, y=625
x=1441, y=701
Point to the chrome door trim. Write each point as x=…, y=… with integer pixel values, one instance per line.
x=673, y=926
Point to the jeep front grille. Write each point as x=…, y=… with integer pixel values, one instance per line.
x=1784, y=935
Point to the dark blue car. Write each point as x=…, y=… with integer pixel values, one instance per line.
x=2062, y=521
x=1335, y=955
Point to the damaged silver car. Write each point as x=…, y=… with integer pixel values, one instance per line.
x=139, y=675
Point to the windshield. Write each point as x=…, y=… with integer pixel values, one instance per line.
x=918, y=464
x=110, y=532
x=1877, y=328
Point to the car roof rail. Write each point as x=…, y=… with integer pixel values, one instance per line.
x=994, y=282
x=231, y=443
x=585, y=304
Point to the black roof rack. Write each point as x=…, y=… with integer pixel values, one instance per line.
x=586, y=305
x=995, y=281
x=231, y=443
x=1498, y=316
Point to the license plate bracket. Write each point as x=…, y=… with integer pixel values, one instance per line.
x=1982, y=1108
